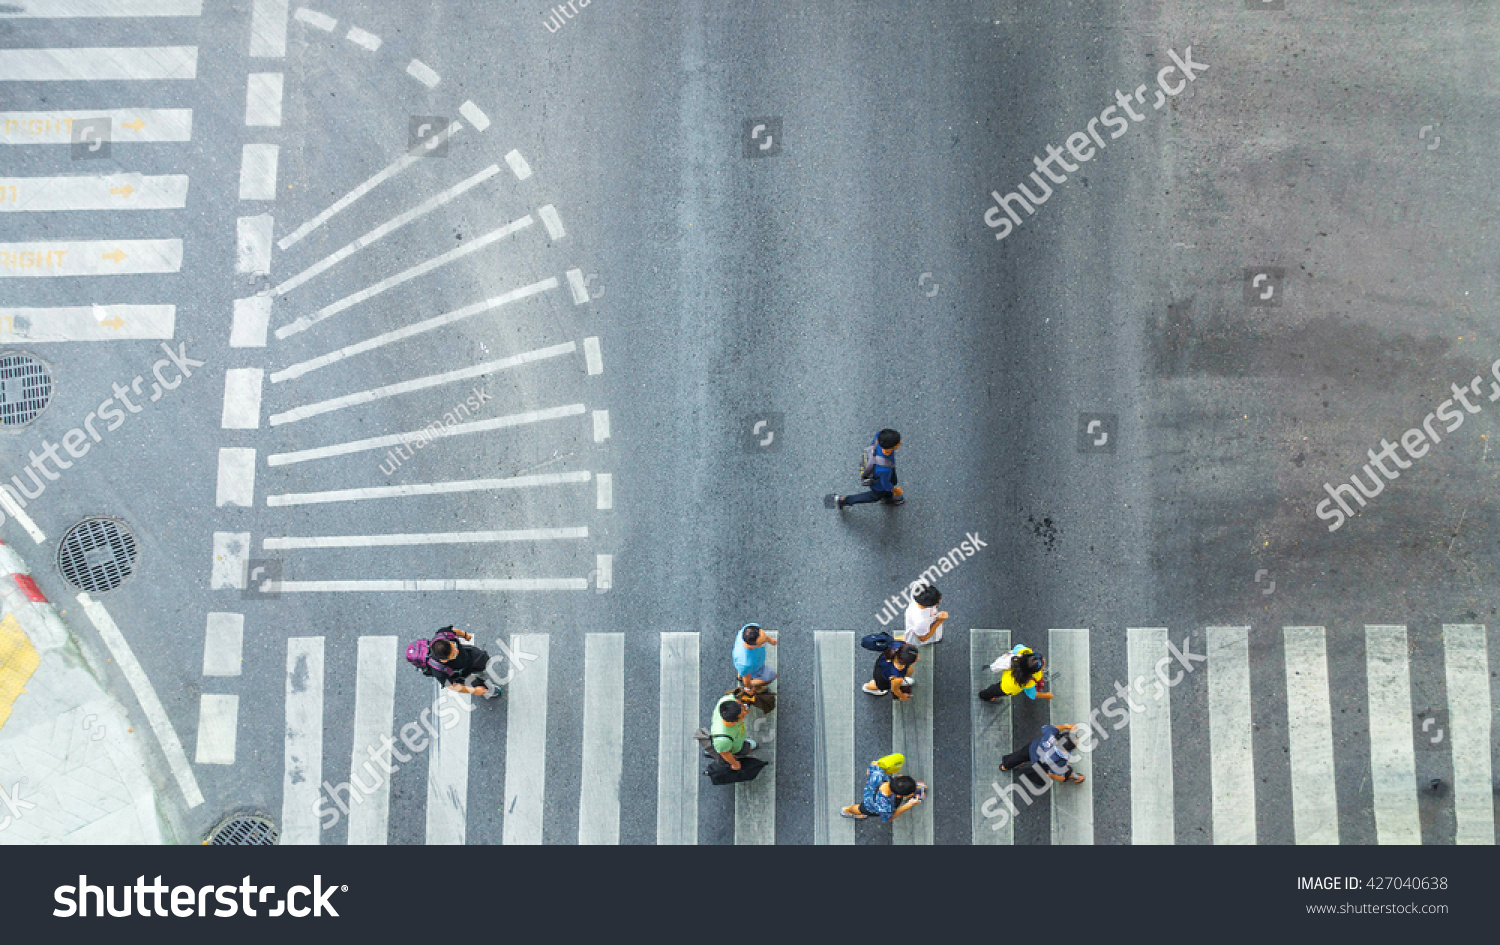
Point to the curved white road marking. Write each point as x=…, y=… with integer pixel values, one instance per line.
x=425, y=488
x=384, y=285
x=438, y=321
x=421, y=383
x=438, y=432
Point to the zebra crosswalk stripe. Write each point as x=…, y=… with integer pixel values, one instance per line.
x=1315, y=807
x=911, y=735
x=1151, y=809
x=1231, y=758
x=1470, y=731
x=833, y=736
x=1393, y=769
x=448, y=769
x=677, y=754
x=526, y=741
x=1073, y=806
x=755, y=801
x=302, y=779
x=991, y=732
x=603, y=738
x=374, y=709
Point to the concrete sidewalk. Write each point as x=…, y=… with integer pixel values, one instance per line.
x=74, y=769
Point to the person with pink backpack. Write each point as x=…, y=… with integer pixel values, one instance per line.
x=455, y=663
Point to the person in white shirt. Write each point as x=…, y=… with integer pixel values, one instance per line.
x=924, y=622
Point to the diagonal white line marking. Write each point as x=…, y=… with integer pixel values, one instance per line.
x=458, y=429
x=349, y=301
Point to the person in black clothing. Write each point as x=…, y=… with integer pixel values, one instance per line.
x=893, y=672
x=468, y=664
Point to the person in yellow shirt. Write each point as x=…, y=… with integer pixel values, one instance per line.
x=1021, y=670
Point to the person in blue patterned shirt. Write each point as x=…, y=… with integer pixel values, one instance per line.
x=885, y=796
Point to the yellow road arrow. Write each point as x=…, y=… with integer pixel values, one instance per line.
x=114, y=321
x=136, y=125
x=125, y=191
x=115, y=256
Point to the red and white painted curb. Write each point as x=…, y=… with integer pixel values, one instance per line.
x=23, y=598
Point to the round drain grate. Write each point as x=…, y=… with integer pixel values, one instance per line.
x=97, y=554
x=243, y=831
x=25, y=388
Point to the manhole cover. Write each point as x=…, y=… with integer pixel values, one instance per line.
x=97, y=555
x=25, y=388
x=243, y=831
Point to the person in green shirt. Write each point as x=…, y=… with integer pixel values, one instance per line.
x=728, y=731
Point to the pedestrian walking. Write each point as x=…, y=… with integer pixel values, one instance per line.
x=1021, y=670
x=877, y=472
x=750, y=658
x=924, y=622
x=1049, y=755
x=727, y=734
x=886, y=796
x=893, y=672
x=448, y=659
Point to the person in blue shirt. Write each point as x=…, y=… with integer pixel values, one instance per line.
x=750, y=657
x=879, y=466
x=1051, y=754
x=885, y=796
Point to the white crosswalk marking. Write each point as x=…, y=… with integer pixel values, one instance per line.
x=101, y=8
x=374, y=711
x=253, y=244
x=1151, y=810
x=436, y=432
x=427, y=538
x=1310, y=736
x=302, y=778
x=223, y=640
x=1393, y=767
x=236, y=481
x=61, y=258
x=1068, y=665
x=97, y=192
x=349, y=301
x=1469, y=719
x=447, y=766
x=268, y=29
x=88, y=323
x=258, y=171
x=526, y=741
x=677, y=754
x=217, y=721
x=911, y=735
x=603, y=738
x=385, y=229
x=833, y=736
x=231, y=551
x=242, y=399
x=263, y=100
x=990, y=725
x=127, y=125
x=84, y=64
x=427, y=488
x=422, y=383
x=400, y=334
x=755, y=801
x=1231, y=759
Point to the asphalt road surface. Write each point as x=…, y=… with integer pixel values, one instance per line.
x=679, y=262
